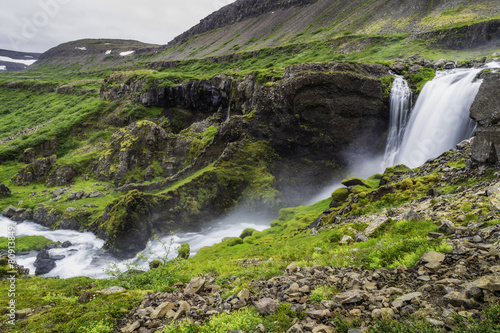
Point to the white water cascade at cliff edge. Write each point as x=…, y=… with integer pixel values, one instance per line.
x=439, y=120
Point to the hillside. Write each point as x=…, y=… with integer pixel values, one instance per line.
x=231, y=138
x=249, y=25
x=16, y=61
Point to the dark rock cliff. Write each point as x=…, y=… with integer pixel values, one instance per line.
x=235, y=12
x=285, y=139
x=486, y=112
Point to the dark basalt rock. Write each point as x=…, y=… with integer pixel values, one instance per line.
x=486, y=112
x=4, y=191
x=44, y=263
x=34, y=172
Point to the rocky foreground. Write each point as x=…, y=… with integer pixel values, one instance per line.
x=461, y=282
x=437, y=289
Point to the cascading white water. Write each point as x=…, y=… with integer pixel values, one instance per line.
x=439, y=120
x=401, y=104
x=85, y=256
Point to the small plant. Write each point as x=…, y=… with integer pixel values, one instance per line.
x=321, y=293
x=160, y=278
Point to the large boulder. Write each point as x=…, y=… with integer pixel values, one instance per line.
x=4, y=191
x=126, y=224
x=136, y=146
x=485, y=111
x=34, y=172
x=44, y=263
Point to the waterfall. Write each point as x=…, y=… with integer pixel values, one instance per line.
x=439, y=120
x=401, y=104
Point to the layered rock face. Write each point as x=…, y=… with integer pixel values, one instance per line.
x=287, y=135
x=486, y=112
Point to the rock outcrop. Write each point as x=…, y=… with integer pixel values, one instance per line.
x=486, y=112
x=34, y=172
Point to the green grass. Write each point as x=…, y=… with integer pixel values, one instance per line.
x=64, y=313
x=26, y=243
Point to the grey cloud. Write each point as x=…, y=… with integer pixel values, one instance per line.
x=37, y=25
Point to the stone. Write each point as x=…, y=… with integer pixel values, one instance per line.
x=412, y=216
x=297, y=328
x=346, y=240
x=195, y=286
x=162, y=310
x=262, y=328
x=386, y=313
x=435, y=235
x=360, y=238
x=86, y=297
x=318, y=314
x=323, y=329
x=432, y=259
x=490, y=283
x=455, y=299
x=111, y=290
x=66, y=244
x=355, y=312
x=485, y=110
x=70, y=209
x=23, y=314
x=447, y=227
x=449, y=65
x=435, y=322
x=292, y=268
x=132, y=327
x=375, y=223
x=43, y=263
x=354, y=330
x=4, y=191
x=475, y=293
x=354, y=181
x=351, y=296
x=399, y=302
x=244, y=294
x=96, y=194
x=184, y=307
x=266, y=306
x=9, y=211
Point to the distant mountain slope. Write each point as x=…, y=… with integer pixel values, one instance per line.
x=16, y=61
x=90, y=53
x=248, y=25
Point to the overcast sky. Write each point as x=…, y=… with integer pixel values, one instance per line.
x=38, y=25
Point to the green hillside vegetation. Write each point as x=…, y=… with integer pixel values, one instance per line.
x=59, y=100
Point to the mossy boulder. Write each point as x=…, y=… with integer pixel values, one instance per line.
x=4, y=191
x=340, y=194
x=131, y=151
x=358, y=189
x=233, y=241
x=126, y=224
x=184, y=251
x=355, y=181
x=391, y=173
x=34, y=172
x=247, y=232
x=155, y=264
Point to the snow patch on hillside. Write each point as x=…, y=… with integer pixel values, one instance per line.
x=19, y=61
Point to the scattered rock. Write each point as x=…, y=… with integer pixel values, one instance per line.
x=195, y=286
x=266, y=306
x=111, y=290
x=4, y=191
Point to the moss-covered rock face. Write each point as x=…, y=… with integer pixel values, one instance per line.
x=34, y=172
x=126, y=224
x=132, y=151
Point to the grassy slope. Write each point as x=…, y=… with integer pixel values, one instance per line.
x=287, y=240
